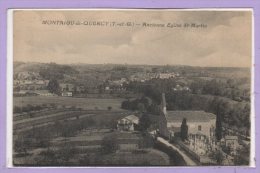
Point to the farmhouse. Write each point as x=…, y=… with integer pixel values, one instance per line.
x=129, y=123
x=67, y=87
x=66, y=94
x=201, y=126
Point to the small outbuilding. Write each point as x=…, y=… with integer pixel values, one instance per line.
x=129, y=123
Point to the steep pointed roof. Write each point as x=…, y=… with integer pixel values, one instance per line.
x=134, y=119
x=163, y=107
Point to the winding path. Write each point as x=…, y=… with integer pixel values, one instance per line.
x=186, y=158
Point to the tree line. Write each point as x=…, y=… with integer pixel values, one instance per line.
x=234, y=113
x=228, y=88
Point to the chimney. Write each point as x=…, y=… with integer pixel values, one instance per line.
x=164, y=104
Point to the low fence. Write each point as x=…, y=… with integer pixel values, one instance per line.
x=175, y=158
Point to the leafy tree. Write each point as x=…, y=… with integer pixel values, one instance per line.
x=54, y=87
x=242, y=157
x=226, y=149
x=184, y=129
x=144, y=122
x=246, y=116
x=147, y=141
x=141, y=107
x=125, y=104
x=218, y=156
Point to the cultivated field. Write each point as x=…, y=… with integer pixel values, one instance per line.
x=151, y=157
x=87, y=145
x=93, y=137
x=84, y=103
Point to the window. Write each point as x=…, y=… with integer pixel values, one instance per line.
x=199, y=127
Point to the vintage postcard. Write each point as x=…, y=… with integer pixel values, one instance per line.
x=132, y=88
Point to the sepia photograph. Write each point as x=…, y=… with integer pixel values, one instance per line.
x=131, y=88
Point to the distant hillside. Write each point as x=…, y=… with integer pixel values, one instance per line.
x=93, y=75
x=46, y=70
x=25, y=67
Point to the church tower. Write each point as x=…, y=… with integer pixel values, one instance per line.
x=163, y=105
x=163, y=118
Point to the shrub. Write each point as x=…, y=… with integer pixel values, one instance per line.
x=109, y=108
x=109, y=144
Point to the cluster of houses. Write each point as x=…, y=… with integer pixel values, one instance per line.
x=142, y=77
x=27, y=75
x=37, y=84
x=181, y=88
x=167, y=75
x=68, y=89
x=201, y=129
x=30, y=83
x=116, y=85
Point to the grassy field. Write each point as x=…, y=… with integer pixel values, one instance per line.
x=94, y=137
x=152, y=157
x=88, y=154
x=99, y=119
x=84, y=103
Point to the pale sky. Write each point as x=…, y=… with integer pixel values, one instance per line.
x=226, y=41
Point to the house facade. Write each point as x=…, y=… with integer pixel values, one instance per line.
x=66, y=94
x=67, y=89
x=129, y=123
x=232, y=143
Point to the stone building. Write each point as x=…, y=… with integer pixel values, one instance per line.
x=232, y=143
x=201, y=126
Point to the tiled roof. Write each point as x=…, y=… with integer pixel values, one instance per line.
x=191, y=116
x=175, y=129
x=132, y=118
